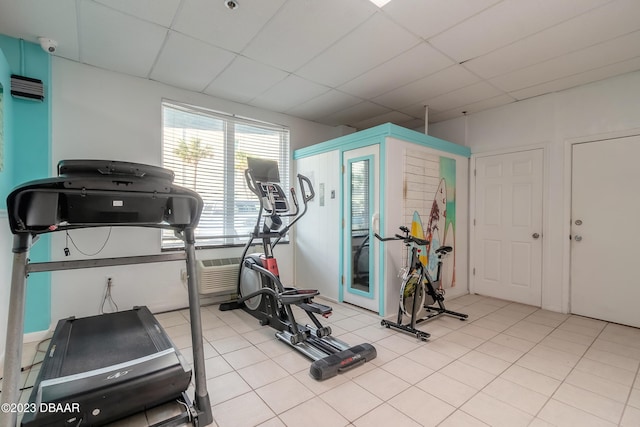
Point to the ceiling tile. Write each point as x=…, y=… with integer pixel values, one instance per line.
x=189, y=63
x=244, y=80
x=444, y=81
x=407, y=67
x=417, y=110
x=354, y=114
x=601, y=24
x=303, y=29
x=390, y=117
x=211, y=21
x=345, y=62
x=427, y=18
x=17, y=18
x=323, y=105
x=603, y=54
x=118, y=42
x=373, y=43
x=288, y=93
x=158, y=12
x=505, y=23
x=471, y=108
x=463, y=96
x=579, y=79
x=413, y=124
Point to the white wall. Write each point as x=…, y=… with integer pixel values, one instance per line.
x=318, y=233
x=103, y=115
x=605, y=108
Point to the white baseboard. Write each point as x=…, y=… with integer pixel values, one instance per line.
x=37, y=336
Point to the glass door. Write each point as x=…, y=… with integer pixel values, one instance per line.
x=360, y=221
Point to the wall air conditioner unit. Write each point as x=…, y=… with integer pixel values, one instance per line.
x=217, y=276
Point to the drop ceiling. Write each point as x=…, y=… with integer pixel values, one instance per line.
x=346, y=62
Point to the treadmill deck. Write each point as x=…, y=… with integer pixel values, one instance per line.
x=110, y=366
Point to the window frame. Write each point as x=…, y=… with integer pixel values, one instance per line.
x=231, y=122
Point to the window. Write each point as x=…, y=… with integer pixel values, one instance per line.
x=208, y=153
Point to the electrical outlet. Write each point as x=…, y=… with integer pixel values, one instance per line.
x=108, y=280
x=183, y=275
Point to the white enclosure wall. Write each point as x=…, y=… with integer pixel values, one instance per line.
x=103, y=115
x=606, y=108
x=318, y=233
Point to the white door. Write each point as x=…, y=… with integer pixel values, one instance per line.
x=508, y=227
x=605, y=210
x=360, y=249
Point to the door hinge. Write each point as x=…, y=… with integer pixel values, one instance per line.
x=475, y=173
x=343, y=169
x=474, y=271
x=342, y=280
x=474, y=221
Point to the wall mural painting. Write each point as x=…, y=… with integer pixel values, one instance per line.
x=430, y=194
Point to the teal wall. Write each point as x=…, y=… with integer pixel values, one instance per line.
x=27, y=156
x=6, y=172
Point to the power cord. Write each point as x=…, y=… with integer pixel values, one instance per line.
x=68, y=238
x=108, y=298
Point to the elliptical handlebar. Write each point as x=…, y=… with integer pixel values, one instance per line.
x=249, y=180
x=306, y=198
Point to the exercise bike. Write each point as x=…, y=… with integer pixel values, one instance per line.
x=263, y=295
x=421, y=297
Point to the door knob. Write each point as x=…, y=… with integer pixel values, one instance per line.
x=577, y=238
x=535, y=235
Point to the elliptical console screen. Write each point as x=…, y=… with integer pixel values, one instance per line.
x=263, y=170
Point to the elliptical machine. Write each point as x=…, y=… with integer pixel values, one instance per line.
x=263, y=295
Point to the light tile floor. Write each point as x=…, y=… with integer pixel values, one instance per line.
x=508, y=365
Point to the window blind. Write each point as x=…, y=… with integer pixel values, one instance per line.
x=208, y=152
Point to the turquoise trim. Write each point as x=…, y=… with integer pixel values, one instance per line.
x=383, y=185
x=358, y=143
x=28, y=157
x=6, y=171
x=348, y=281
x=365, y=137
x=341, y=233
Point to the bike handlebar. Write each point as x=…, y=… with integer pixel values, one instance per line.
x=406, y=238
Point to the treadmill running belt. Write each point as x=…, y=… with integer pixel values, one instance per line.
x=91, y=337
x=111, y=366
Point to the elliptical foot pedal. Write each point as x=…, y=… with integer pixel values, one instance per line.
x=314, y=307
x=344, y=360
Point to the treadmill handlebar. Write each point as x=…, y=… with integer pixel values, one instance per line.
x=83, y=196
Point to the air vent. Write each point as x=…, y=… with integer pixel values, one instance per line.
x=216, y=276
x=27, y=88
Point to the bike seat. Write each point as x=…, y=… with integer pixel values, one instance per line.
x=442, y=250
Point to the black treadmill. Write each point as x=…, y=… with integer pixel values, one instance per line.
x=102, y=368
